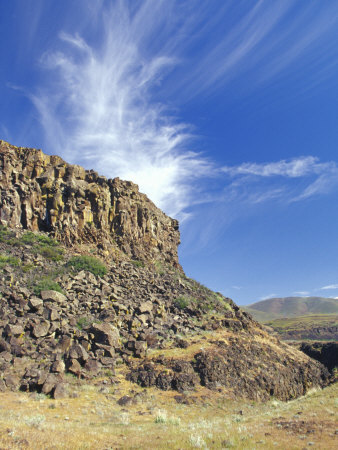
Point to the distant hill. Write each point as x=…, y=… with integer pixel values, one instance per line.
x=277, y=308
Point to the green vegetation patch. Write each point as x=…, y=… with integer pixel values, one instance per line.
x=182, y=302
x=51, y=253
x=41, y=244
x=89, y=263
x=304, y=322
x=32, y=238
x=47, y=284
x=11, y=260
x=137, y=263
x=28, y=267
x=203, y=299
x=160, y=267
x=83, y=322
x=6, y=235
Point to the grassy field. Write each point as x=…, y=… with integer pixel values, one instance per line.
x=261, y=316
x=304, y=322
x=92, y=419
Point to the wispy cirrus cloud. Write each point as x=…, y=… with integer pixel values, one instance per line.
x=99, y=110
x=297, y=167
x=266, y=42
x=302, y=293
x=258, y=182
x=267, y=297
x=329, y=287
x=105, y=105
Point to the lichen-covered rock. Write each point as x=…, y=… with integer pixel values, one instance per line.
x=39, y=192
x=53, y=296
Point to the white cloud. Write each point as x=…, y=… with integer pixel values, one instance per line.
x=330, y=286
x=267, y=41
x=100, y=111
x=100, y=106
x=302, y=293
x=297, y=167
x=259, y=182
x=267, y=297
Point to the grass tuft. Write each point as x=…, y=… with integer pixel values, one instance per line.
x=11, y=260
x=47, y=284
x=89, y=263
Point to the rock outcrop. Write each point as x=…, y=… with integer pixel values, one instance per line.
x=43, y=193
x=65, y=312
x=324, y=352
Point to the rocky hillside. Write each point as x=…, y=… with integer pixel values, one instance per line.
x=91, y=286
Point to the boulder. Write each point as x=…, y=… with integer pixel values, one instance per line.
x=64, y=344
x=35, y=303
x=105, y=333
x=58, y=366
x=14, y=330
x=78, y=352
x=60, y=391
x=92, y=366
x=146, y=307
x=41, y=329
x=49, y=384
x=53, y=296
x=75, y=367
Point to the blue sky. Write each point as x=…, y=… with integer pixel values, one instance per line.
x=224, y=112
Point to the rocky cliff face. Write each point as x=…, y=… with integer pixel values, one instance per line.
x=39, y=192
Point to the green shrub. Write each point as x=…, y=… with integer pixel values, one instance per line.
x=89, y=263
x=46, y=240
x=28, y=267
x=6, y=235
x=181, y=302
x=137, y=263
x=83, y=322
x=3, y=233
x=28, y=238
x=11, y=260
x=42, y=245
x=32, y=238
x=161, y=416
x=47, y=284
x=52, y=253
x=159, y=267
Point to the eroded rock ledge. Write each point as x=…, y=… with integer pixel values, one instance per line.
x=39, y=192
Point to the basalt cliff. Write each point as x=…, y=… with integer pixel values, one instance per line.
x=91, y=286
x=43, y=193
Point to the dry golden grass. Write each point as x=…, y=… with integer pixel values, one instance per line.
x=94, y=420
